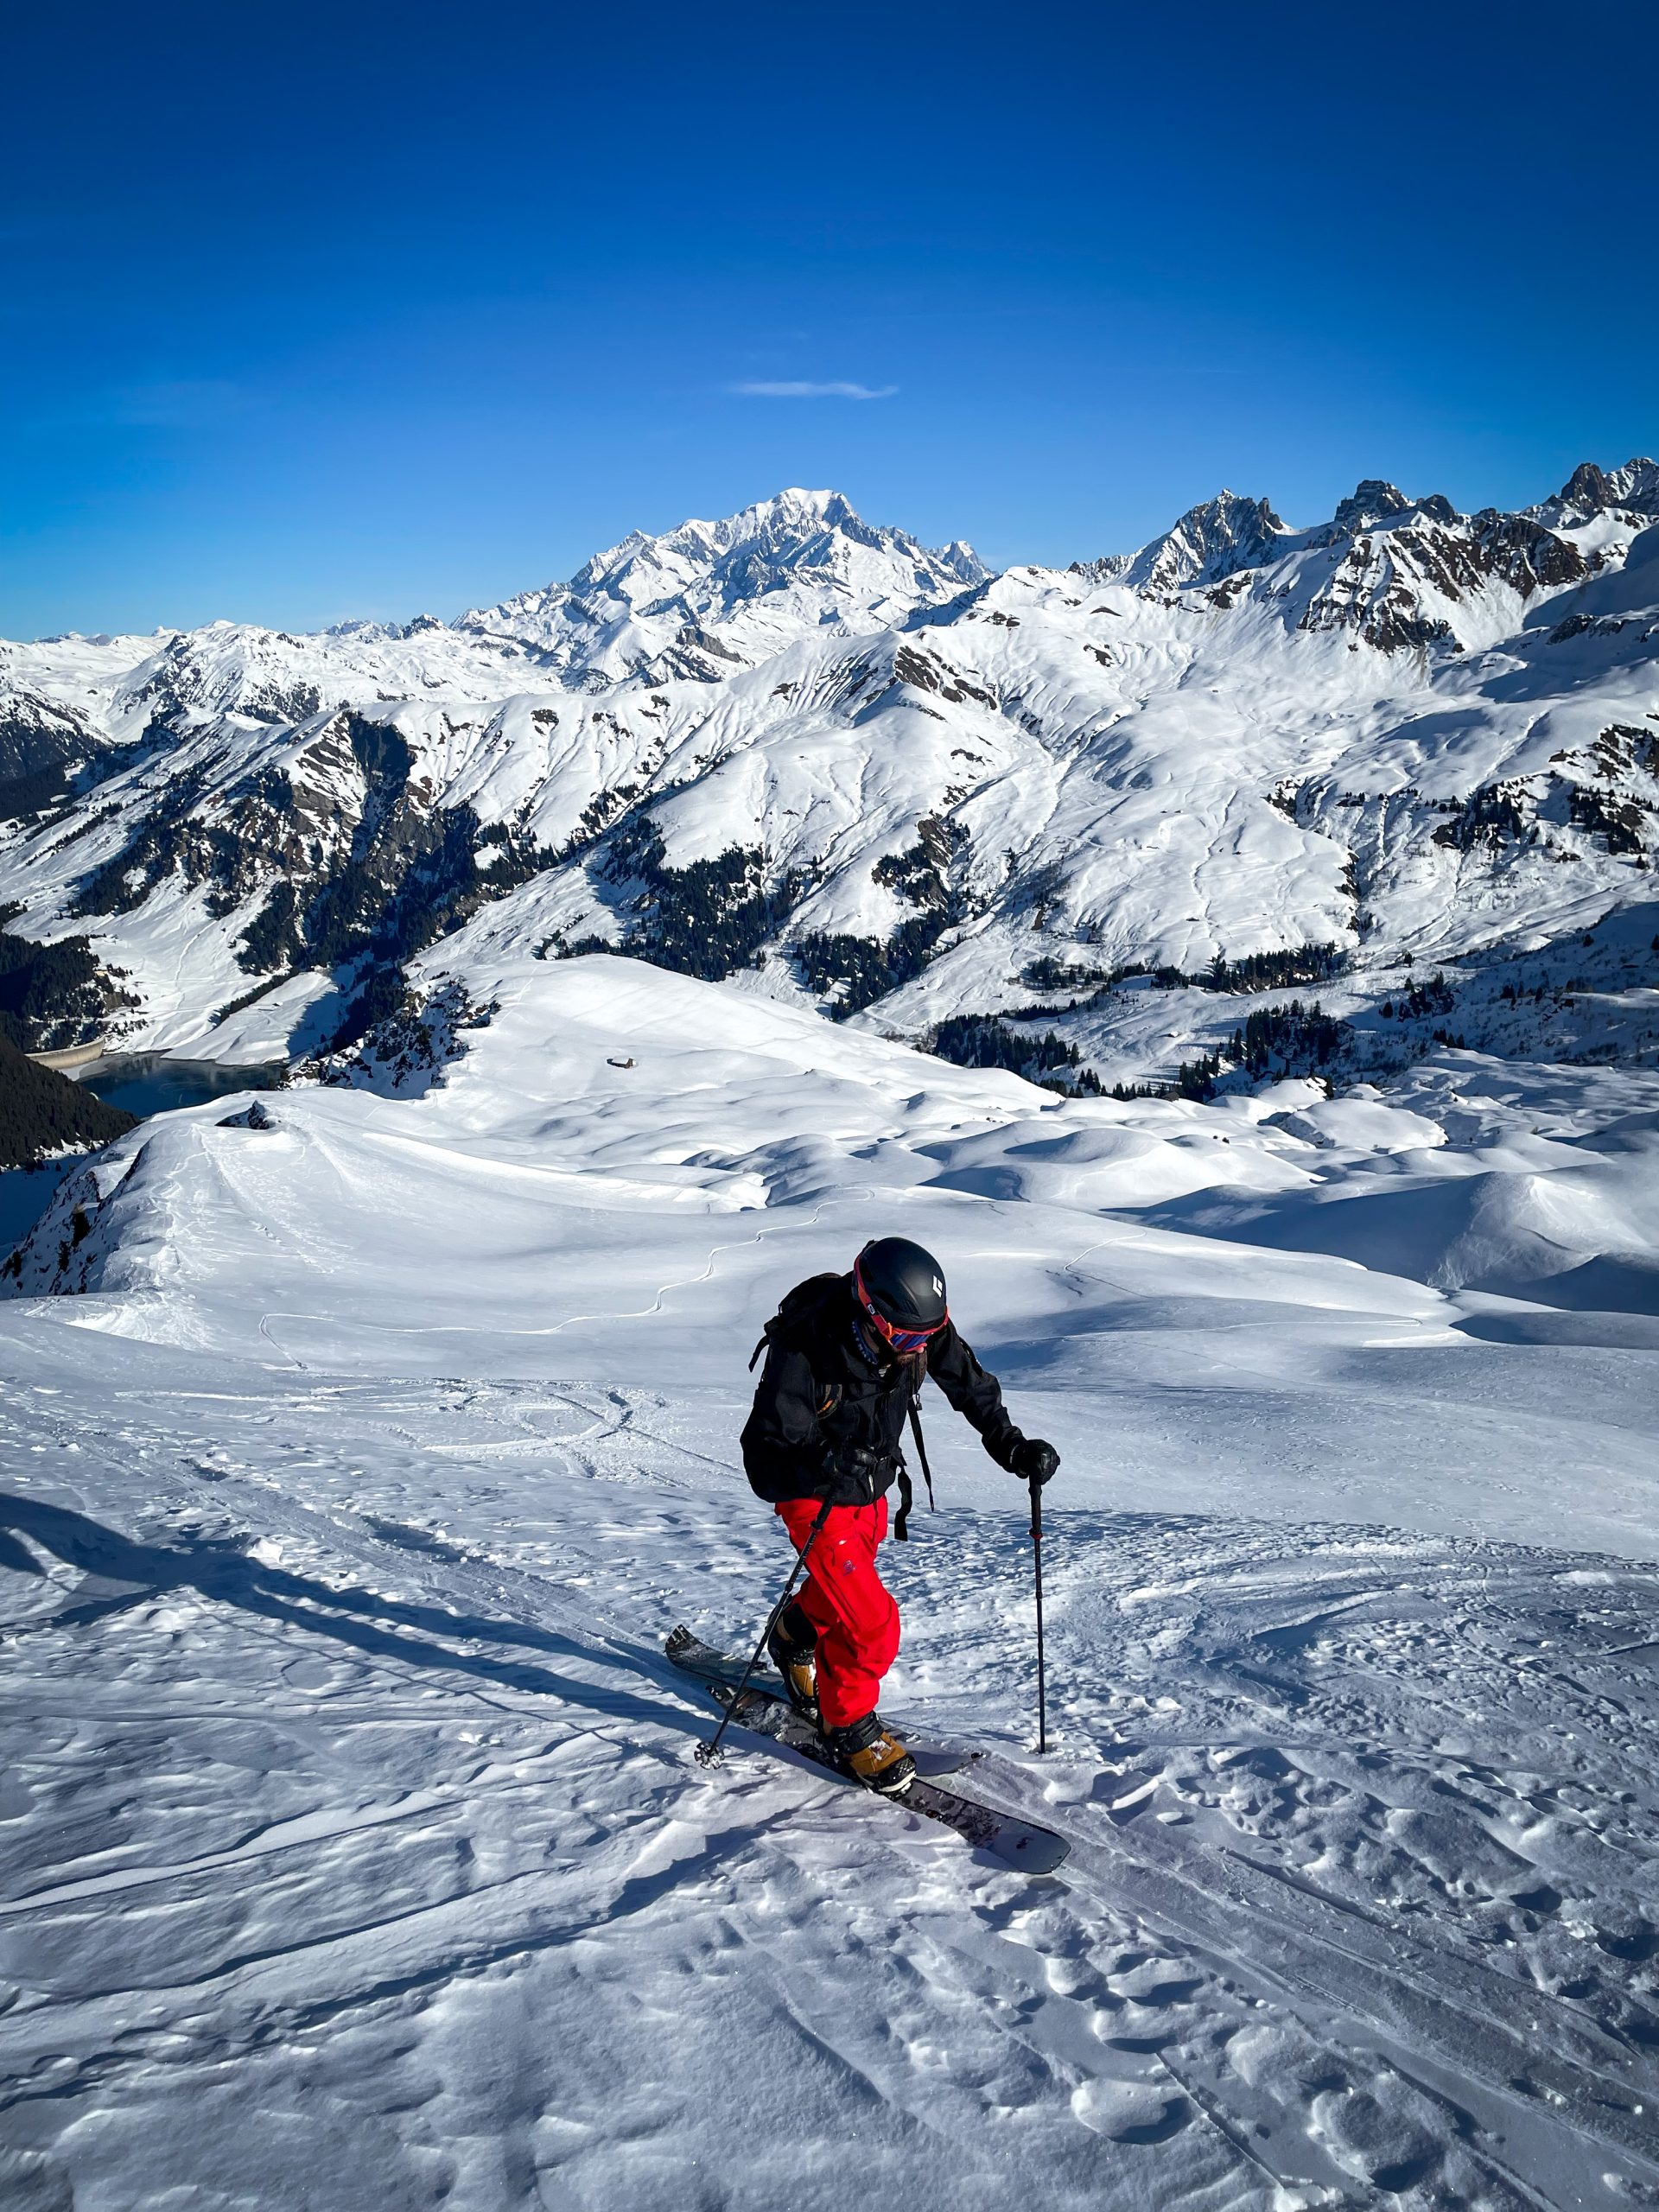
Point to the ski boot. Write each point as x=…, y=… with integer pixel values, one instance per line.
x=791, y=1647
x=866, y=1751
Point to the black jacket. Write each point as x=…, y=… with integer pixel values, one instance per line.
x=820, y=1403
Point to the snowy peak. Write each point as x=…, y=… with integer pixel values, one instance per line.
x=1372, y=501
x=1209, y=542
x=789, y=520
x=1590, y=491
x=792, y=527
x=707, y=596
x=1379, y=527
x=1404, y=574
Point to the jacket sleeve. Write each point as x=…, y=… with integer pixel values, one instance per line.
x=783, y=1444
x=977, y=1395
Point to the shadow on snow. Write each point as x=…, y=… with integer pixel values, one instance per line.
x=382, y=1628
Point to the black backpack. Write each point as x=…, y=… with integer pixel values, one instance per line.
x=799, y=1305
x=802, y=1305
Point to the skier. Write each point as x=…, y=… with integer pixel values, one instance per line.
x=846, y=1356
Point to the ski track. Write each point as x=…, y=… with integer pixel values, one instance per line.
x=1258, y=1981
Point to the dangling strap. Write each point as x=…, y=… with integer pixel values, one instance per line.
x=921, y=1452
x=907, y=1499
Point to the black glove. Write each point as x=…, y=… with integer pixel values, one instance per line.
x=1033, y=1460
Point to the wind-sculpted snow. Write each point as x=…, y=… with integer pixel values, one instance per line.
x=796, y=744
x=351, y=1847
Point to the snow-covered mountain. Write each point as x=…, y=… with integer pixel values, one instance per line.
x=710, y=596
x=793, y=747
x=1214, y=540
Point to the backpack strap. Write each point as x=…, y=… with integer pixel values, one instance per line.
x=907, y=1499
x=906, y=1488
x=921, y=1451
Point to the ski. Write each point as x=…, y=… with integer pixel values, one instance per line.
x=765, y=1711
x=719, y=1670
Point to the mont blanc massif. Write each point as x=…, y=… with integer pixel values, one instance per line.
x=1239, y=961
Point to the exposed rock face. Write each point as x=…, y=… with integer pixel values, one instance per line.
x=35, y=734
x=1370, y=502
x=42, y=744
x=258, y=1116
x=1397, y=586
x=342, y=848
x=1521, y=553
x=404, y=1054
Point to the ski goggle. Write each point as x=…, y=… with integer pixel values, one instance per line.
x=900, y=1340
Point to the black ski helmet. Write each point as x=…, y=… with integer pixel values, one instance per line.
x=901, y=1284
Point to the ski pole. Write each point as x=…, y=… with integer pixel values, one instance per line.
x=1036, y=1557
x=708, y=1754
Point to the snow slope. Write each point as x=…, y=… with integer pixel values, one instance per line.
x=351, y=1850
x=793, y=745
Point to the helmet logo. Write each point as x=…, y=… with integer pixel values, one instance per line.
x=939, y=1287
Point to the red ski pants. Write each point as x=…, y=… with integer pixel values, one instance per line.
x=847, y=1602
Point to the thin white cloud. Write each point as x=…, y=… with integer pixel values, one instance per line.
x=803, y=390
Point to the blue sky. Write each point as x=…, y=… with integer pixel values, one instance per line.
x=304, y=317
